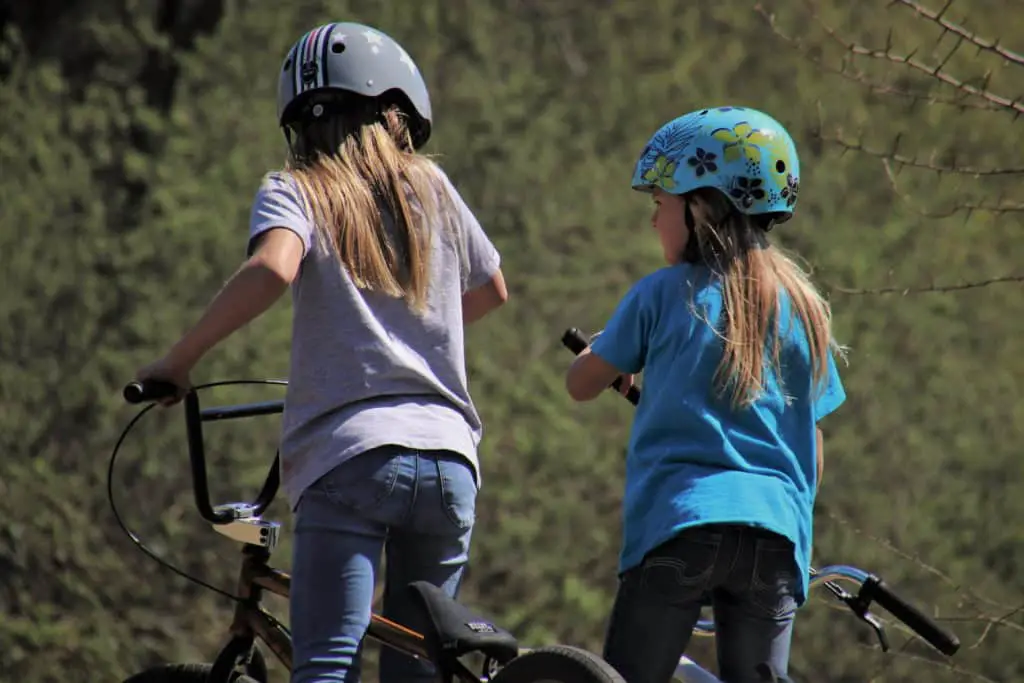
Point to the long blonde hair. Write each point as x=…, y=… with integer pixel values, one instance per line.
x=752, y=274
x=359, y=174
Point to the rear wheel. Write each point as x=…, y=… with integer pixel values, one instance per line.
x=184, y=673
x=240, y=661
x=560, y=664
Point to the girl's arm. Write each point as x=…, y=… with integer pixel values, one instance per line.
x=476, y=303
x=590, y=374
x=253, y=289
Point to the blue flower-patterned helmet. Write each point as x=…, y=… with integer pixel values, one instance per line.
x=744, y=153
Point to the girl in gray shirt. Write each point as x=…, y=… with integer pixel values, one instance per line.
x=386, y=264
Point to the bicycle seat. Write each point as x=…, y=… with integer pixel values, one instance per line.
x=456, y=630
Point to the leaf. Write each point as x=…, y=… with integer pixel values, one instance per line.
x=725, y=135
x=759, y=138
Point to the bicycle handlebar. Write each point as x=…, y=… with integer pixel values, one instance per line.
x=154, y=390
x=873, y=589
x=148, y=390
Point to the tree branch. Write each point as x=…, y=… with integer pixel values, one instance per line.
x=983, y=44
x=926, y=289
x=914, y=162
x=1016, y=106
x=858, y=76
x=969, y=206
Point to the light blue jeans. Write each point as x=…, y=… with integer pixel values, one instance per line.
x=418, y=507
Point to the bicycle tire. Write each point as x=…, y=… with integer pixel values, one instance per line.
x=182, y=673
x=560, y=663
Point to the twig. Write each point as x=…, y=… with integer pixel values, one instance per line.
x=993, y=622
x=982, y=44
x=854, y=75
x=914, y=162
x=1016, y=105
x=968, y=206
x=959, y=588
x=903, y=291
x=943, y=664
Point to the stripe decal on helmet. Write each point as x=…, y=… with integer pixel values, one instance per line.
x=326, y=43
x=308, y=52
x=303, y=51
x=297, y=66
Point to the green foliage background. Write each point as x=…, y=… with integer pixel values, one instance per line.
x=135, y=133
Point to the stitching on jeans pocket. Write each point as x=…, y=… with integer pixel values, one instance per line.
x=666, y=575
x=363, y=482
x=774, y=595
x=461, y=512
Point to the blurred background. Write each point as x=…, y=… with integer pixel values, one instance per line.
x=134, y=135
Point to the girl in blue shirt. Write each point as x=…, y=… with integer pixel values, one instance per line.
x=725, y=453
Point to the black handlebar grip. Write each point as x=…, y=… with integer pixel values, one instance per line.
x=574, y=340
x=945, y=642
x=148, y=390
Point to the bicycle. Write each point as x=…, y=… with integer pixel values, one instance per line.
x=871, y=588
x=453, y=630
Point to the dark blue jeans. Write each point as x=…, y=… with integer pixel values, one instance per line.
x=749, y=577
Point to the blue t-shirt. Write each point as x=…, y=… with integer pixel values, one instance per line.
x=692, y=458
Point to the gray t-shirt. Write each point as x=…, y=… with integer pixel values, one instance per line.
x=366, y=371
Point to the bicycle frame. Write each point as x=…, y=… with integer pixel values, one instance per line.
x=252, y=621
x=242, y=522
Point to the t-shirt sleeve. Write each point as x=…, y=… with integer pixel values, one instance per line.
x=479, y=255
x=832, y=393
x=278, y=204
x=623, y=342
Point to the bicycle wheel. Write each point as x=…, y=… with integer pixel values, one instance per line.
x=182, y=673
x=561, y=663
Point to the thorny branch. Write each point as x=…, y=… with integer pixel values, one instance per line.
x=894, y=156
x=903, y=291
x=1000, y=207
x=936, y=71
x=968, y=95
x=851, y=73
x=982, y=44
x=975, y=599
